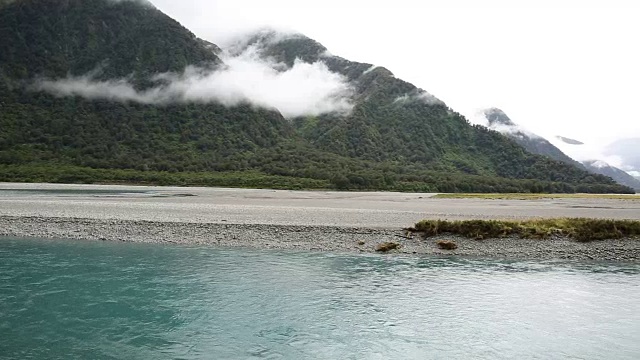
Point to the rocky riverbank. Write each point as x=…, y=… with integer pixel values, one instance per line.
x=312, y=238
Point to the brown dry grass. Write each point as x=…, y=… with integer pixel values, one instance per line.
x=580, y=229
x=538, y=196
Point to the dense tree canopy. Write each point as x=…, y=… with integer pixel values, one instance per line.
x=396, y=138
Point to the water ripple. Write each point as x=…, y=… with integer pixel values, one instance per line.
x=62, y=299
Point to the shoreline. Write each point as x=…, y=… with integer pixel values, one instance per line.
x=342, y=239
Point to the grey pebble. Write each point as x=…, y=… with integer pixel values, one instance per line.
x=312, y=238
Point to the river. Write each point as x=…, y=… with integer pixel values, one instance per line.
x=62, y=299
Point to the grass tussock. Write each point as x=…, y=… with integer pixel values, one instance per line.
x=526, y=196
x=580, y=229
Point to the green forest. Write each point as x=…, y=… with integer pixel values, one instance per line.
x=393, y=139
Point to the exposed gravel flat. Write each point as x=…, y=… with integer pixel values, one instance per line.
x=323, y=221
x=243, y=206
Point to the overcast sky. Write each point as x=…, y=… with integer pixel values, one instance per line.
x=560, y=67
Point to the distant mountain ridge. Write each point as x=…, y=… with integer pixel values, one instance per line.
x=499, y=121
x=628, y=150
x=421, y=128
x=395, y=137
x=620, y=176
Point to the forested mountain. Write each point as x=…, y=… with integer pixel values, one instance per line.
x=55, y=38
x=620, y=176
x=393, y=120
x=499, y=121
x=114, y=40
x=395, y=136
x=535, y=144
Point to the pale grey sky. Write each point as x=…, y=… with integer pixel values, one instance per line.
x=560, y=67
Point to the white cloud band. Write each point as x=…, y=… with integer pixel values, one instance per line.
x=304, y=89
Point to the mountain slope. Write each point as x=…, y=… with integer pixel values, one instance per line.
x=395, y=137
x=499, y=121
x=620, y=176
x=393, y=120
x=628, y=150
x=53, y=38
x=622, y=151
x=114, y=40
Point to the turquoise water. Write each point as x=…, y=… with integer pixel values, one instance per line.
x=89, y=300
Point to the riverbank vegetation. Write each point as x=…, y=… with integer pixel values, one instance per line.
x=68, y=174
x=318, y=176
x=579, y=229
x=395, y=138
x=525, y=196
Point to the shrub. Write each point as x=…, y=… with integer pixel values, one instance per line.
x=580, y=229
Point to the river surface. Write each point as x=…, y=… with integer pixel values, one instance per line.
x=99, y=300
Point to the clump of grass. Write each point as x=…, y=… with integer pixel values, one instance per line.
x=447, y=245
x=527, y=196
x=580, y=229
x=387, y=246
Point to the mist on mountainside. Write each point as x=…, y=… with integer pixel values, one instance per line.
x=628, y=150
x=120, y=86
x=498, y=120
x=620, y=176
x=304, y=89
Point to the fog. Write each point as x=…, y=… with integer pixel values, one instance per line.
x=305, y=89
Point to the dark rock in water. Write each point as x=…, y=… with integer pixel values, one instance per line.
x=387, y=246
x=447, y=245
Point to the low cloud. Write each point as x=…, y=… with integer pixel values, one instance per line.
x=373, y=67
x=515, y=130
x=143, y=2
x=586, y=151
x=479, y=117
x=302, y=90
x=628, y=150
x=419, y=95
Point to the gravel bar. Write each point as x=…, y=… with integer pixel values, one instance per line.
x=311, y=238
x=352, y=222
